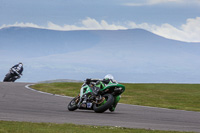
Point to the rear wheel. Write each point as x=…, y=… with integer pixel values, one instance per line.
x=13, y=79
x=100, y=108
x=73, y=104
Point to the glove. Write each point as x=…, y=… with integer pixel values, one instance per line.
x=106, y=81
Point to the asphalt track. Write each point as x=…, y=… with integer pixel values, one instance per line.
x=18, y=103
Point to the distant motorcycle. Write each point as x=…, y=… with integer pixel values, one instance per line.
x=12, y=75
x=94, y=98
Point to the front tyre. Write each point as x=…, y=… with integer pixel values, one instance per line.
x=73, y=104
x=109, y=100
x=7, y=78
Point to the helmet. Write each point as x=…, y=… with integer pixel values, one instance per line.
x=109, y=76
x=20, y=64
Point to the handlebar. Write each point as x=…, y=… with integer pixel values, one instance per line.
x=14, y=70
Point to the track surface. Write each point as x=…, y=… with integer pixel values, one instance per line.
x=18, y=103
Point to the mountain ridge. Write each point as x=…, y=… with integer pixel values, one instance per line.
x=134, y=55
x=14, y=28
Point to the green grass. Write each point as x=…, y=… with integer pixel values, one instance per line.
x=172, y=96
x=28, y=127
x=67, y=89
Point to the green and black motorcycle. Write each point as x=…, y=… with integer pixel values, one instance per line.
x=97, y=95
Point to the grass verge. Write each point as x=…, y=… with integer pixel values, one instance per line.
x=172, y=96
x=28, y=127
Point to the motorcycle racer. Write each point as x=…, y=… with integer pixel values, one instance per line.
x=14, y=73
x=19, y=68
x=99, y=84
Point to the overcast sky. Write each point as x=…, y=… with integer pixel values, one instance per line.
x=174, y=19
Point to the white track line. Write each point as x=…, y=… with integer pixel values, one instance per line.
x=28, y=87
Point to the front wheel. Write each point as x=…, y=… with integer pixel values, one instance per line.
x=73, y=104
x=100, y=108
x=7, y=78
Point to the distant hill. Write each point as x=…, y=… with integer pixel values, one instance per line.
x=56, y=42
x=133, y=55
x=44, y=42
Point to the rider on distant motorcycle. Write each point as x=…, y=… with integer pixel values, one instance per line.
x=19, y=68
x=108, y=79
x=15, y=73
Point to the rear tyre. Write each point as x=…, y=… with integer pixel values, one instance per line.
x=73, y=105
x=109, y=100
x=13, y=79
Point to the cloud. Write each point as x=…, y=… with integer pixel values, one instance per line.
x=86, y=24
x=103, y=25
x=156, y=2
x=188, y=32
x=153, y=2
x=20, y=25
